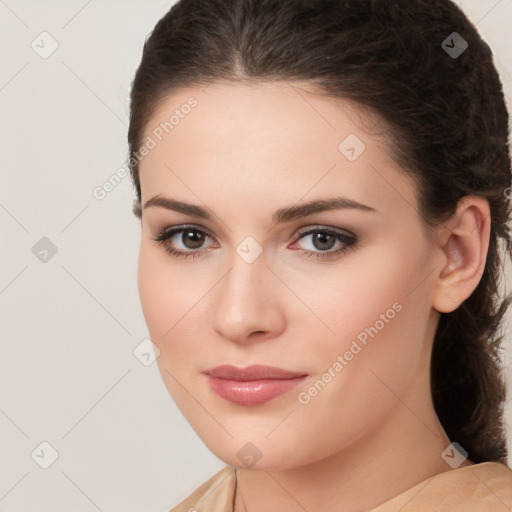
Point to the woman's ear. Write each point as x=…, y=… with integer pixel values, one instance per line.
x=462, y=250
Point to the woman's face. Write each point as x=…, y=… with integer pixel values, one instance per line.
x=339, y=296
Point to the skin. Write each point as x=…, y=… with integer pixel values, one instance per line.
x=245, y=151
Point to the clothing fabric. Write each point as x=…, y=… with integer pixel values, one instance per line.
x=484, y=487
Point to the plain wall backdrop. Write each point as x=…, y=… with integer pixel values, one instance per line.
x=73, y=394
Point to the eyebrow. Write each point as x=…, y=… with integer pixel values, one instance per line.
x=280, y=216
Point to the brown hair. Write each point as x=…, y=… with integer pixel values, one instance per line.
x=447, y=126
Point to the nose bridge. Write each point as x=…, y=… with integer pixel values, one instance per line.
x=245, y=302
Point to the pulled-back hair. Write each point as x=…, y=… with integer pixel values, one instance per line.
x=446, y=122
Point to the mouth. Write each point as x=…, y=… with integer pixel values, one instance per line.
x=253, y=385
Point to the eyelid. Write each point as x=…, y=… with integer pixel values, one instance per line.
x=322, y=227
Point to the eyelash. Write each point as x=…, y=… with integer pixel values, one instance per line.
x=163, y=235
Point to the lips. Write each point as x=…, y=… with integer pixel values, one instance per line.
x=254, y=372
x=254, y=385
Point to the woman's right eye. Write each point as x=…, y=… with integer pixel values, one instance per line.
x=191, y=238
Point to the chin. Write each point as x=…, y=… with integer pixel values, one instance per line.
x=242, y=453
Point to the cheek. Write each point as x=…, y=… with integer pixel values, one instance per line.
x=150, y=290
x=384, y=323
x=351, y=298
x=371, y=317
x=164, y=307
x=159, y=292
x=170, y=297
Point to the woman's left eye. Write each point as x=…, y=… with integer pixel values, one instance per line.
x=322, y=239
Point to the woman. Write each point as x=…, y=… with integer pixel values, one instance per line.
x=322, y=187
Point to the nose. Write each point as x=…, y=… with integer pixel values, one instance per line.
x=247, y=304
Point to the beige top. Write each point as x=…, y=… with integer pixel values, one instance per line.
x=484, y=487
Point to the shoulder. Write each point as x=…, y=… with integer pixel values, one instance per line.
x=215, y=495
x=484, y=487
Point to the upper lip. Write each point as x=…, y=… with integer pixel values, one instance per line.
x=253, y=372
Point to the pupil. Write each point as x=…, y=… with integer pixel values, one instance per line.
x=320, y=237
x=193, y=239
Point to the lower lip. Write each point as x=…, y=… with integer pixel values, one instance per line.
x=252, y=392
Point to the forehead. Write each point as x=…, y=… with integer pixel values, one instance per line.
x=275, y=139
x=259, y=110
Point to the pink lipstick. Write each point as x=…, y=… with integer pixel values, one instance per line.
x=253, y=385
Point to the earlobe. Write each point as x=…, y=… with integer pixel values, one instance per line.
x=463, y=253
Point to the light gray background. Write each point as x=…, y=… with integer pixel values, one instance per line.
x=68, y=374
